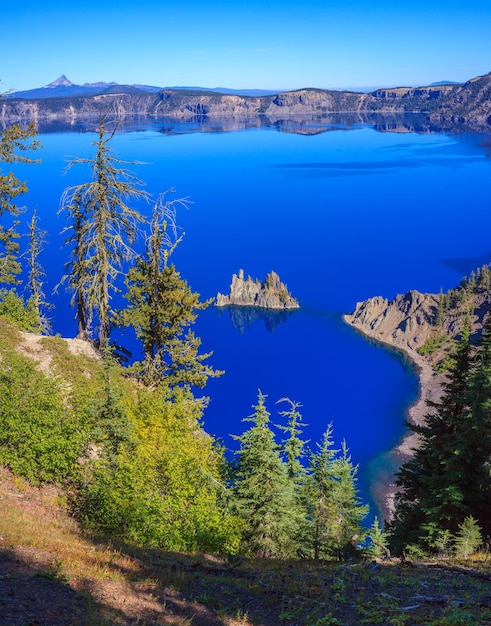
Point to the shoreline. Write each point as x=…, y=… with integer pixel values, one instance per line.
x=429, y=388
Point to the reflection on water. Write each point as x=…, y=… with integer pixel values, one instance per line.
x=466, y=265
x=349, y=213
x=296, y=124
x=243, y=317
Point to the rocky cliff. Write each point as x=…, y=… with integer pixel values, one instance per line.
x=406, y=322
x=423, y=327
x=467, y=105
x=270, y=294
x=409, y=321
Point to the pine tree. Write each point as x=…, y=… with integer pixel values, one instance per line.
x=262, y=489
x=335, y=512
x=432, y=491
x=292, y=451
x=485, y=281
x=468, y=537
x=378, y=541
x=111, y=427
x=320, y=494
x=349, y=511
x=14, y=141
x=440, y=311
x=442, y=493
x=104, y=228
x=77, y=276
x=36, y=275
x=448, y=479
x=161, y=309
x=472, y=454
x=293, y=446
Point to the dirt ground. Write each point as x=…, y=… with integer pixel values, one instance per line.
x=53, y=575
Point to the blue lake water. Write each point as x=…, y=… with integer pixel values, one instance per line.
x=341, y=215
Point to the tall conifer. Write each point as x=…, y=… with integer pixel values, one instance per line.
x=14, y=141
x=335, y=512
x=262, y=489
x=473, y=450
x=430, y=487
x=162, y=308
x=448, y=479
x=36, y=275
x=320, y=494
x=104, y=227
x=293, y=446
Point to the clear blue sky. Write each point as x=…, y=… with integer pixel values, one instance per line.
x=269, y=44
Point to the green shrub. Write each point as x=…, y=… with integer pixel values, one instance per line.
x=162, y=488
x=15, y=309
x=468, y=537
x=432, y=345
x=39, y=439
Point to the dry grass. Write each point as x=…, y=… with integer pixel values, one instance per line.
x=52, y=575
x=35, y=518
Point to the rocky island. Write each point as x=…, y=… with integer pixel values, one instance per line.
x=270, y=294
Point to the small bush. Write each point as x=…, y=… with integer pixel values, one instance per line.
x=15, y=309
x=468, y=538
x=39, y=439
x=432, y=345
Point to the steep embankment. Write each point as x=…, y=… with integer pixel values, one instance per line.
x=423, y=326
x=405, y=323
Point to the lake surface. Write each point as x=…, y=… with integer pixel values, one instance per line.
x=341, y=213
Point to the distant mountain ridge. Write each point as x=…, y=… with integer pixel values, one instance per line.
x=444, y=82
x=466, y=106
x=62, y=87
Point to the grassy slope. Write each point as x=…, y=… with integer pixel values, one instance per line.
x=51, y=574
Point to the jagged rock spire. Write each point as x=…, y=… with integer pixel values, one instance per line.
x=270, y=294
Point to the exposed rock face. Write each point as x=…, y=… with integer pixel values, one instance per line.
x=466, y=105
x=405, y=322
x=408, y=321
x=270, y=294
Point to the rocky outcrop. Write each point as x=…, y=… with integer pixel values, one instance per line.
x=406, y=322
x=410, y=320
x=468, y=104
x=270, y=294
